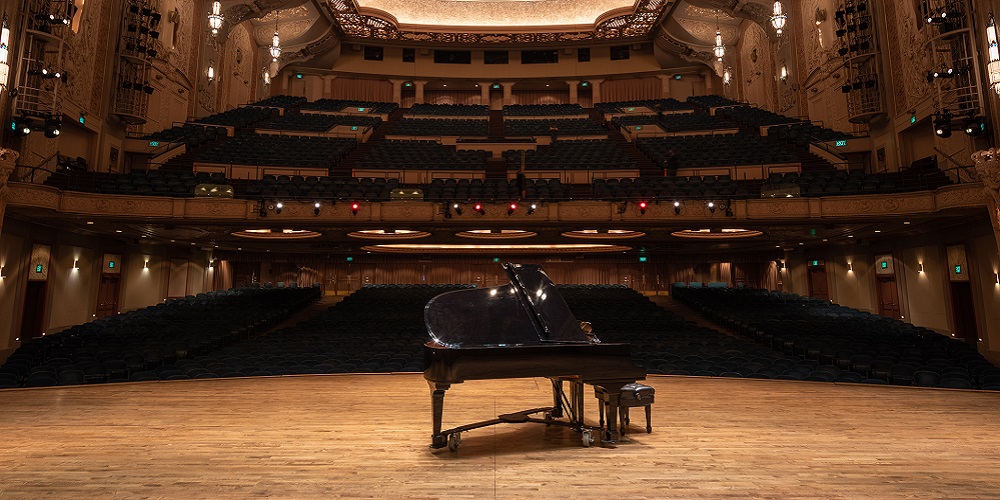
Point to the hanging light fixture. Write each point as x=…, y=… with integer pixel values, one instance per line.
x=719, y=49
x=215, y=18
x=275, y=44
x=993, y=67
x=266, y=75
x=4, y=53
x=778, y=18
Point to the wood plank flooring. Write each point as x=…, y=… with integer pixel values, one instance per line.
x=366, y=436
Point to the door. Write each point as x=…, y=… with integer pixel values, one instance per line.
x=245, y=273
x=964, y=312
x=888, y=298
x=819, y=287
x=33, y=319
x=107, y=296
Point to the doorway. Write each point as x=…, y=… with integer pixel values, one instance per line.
x=888, y=298
x=107, y=296
x=33, y=319
x=964, y=312
x=819, y=286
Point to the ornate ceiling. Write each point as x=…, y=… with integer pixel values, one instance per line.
x=495, y=14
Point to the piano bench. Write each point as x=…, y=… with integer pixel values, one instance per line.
x=633, y=395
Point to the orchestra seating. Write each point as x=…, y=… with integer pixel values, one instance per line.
x=312, y=188
x=495, y=190
x=716, y=150
x=522, y=128
x=278, y=150
x=851, y=341
x=378, y=328
x=150, y=343
x=543, y=110
x=192, y=135
x=240, y=117
x=671, y=188
x=572, y=155
x=681, y=122
x=309, y=122
x=441, y=126
x=712, y=101
x=421, y=155
x=450, y=110
x=629, y=121
x=854, y=182
x=335, y=105
x=280, y=101
x=669, y=104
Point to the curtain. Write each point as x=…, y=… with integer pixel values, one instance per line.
x=361, y=89
x=222, y=278
x=540, y=96
x=632, y=89
x=468, y=97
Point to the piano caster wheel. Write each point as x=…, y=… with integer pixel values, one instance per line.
x=587, y=437
x=453, y=441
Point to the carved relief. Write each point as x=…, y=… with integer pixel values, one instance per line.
x=8, y=158
x=913, y=61
x=288, y=30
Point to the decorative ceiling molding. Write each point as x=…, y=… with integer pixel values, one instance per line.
x=702, y=12
x=752, y=11
x=704, y=31
x=246, y=11
x=300, y=11
x=287, y=30
x=638, y=23
x=307, y=52
x=670, y=44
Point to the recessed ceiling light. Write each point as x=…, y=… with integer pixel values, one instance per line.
x=118, y=230
x=801, y=243
x=192, y=243
x=906, y=223
x=173, y=241
x=878, y=231
x=824, y=239
x=444, y=85
x=144, y=236
x=90, y=223
x=850, y=236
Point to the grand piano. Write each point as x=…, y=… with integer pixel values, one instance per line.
x=523, y=329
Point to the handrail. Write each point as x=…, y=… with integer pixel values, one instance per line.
x=948, y=157
x=31, y=179
x=33, y=169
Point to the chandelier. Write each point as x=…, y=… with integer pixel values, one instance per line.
x=215, y=18
x=719, y=49
x=993, y=66
x=778, y=18
x=4, y=64
x=275, y=44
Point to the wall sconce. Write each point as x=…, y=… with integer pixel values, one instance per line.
x=995, y=275
x=850, y=267
x=76, y=264
x=920, y=267
x=783, y=76
x=4, y=53
x=782, y=265
x=145, y=265
x=3, y=272
x=211, y=74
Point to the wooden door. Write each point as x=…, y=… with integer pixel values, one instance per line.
x=107, y=296
x=33, y=319
x=888, y=298
x=964, y=312
x=819, y=286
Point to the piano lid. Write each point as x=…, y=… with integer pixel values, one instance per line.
x=528, y=311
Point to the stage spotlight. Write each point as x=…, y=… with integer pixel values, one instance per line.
x=975, y=126
x=642, y=207
x=278, y=206
x=479, y=208
x=355, y=207
x=845, y=88
x=942, y=125
x=511, y=209
x=711, y=207
x=532, y=208
x=458, y=208
x=316, y=207
x=677, y=208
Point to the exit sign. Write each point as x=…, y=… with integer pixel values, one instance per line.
x=840, y=143
x=350, y=259
x=643, y=259
x=638, y=127
x=38, y=268
x=815, y=262
x=958, y=269
x=154, y=144
x=913, y=119
x=82, y=120
x=111, y=264
x=884, y=265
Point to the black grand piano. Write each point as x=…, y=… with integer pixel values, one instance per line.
x=523, y=329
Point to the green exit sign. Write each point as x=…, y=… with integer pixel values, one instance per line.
x=298, y=75
x=913, y=119
x=841, y=143
x=350, y=259
x=83, y=121
x=496, y=259
x=643, y=259
x=638, y=127
x=154, y=144
x=111, y=264
x=361, y=110
x=815, y=262
x=958, y=269
x=354, y=127
x=38, y=268
x=884, y=265
x=585, y=84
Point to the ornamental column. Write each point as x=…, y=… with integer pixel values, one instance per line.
x=8, y=158
x=484, y=93
x=664, y=86
x=418, y=89
x=397, y=91
x=595, y=90
x=574, y=91
x=508, y=93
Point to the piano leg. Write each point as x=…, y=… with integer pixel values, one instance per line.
x=437, y=410
x=612, y=433
x=557, y=395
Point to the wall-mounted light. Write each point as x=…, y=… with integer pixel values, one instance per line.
x=4, y=53
x=783, y=75
x=727, y=76
x=211, y=74
x=995, y=275
x=850, y=267
x=782, y=265
x=145, y=265
x=920, y=267
x=3, y=272
x=76, y=264
x=266, y=75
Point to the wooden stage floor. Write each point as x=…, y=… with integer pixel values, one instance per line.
x=366, y=436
